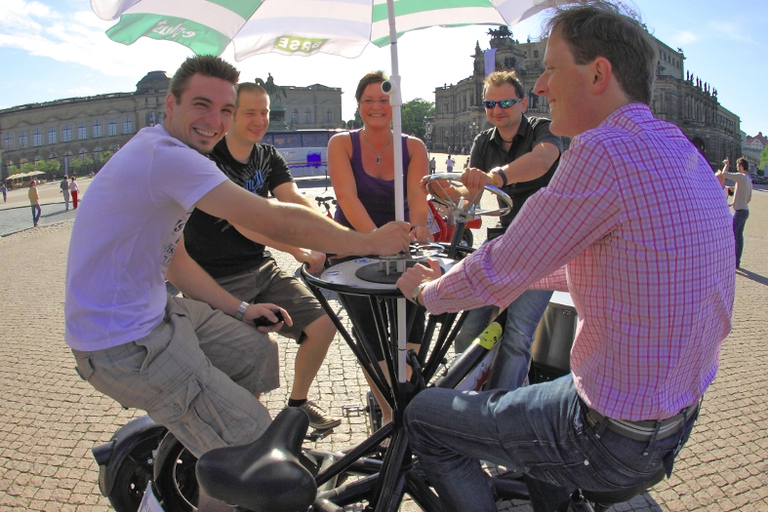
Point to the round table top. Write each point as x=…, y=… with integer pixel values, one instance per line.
x=368, y=275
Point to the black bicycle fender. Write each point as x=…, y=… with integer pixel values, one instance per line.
x=111, y=455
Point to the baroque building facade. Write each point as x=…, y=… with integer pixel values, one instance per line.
x=86, y=128
x=678, y=97
x=79, y=128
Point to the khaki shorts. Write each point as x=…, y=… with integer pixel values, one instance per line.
x=267, y=283
x=196, y=373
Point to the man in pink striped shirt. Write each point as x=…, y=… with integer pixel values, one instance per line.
x=649, y=268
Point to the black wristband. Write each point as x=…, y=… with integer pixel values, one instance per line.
x=500, y=172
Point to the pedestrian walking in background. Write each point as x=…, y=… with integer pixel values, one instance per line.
x=5, y=193
x=742, y=195
x=449, y=163
x=74, y=191
x=65, y=191
x=432, y=166
x=34, y=201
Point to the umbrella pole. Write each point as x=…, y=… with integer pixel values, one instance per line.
x=396, y=100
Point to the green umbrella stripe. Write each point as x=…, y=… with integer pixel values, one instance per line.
x=243, y=8
x=406, y=7
x=432, y=13
x=201, y=39
x=203, y=12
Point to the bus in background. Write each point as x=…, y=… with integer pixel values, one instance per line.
x=306, y=151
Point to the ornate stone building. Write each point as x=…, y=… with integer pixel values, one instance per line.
x=79, y=128
x=678, y=97
x=84, y=128
x=315, y=106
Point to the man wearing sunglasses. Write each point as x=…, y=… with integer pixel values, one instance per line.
x=519, y=155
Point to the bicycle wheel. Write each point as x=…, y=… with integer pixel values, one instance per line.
x=133, y=475
x=175, y=480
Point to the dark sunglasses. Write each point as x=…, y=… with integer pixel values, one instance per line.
x=489, y=104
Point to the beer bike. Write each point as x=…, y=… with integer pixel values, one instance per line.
x=276, y=473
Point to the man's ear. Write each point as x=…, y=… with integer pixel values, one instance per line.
x=602, y=74
x=170, y=102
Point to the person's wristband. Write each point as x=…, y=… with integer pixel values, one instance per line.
x=241, y=310
x=417, y=291
x=500, y=172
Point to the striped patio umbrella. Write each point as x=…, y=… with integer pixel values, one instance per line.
x=307, y=27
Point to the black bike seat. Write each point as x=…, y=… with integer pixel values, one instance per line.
x=265, y=475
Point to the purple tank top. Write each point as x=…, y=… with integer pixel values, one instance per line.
x=377, y=196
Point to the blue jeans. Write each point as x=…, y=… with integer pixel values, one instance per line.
x=36, y=211
x=538, y=429
x=739, y=221
x=511, y=366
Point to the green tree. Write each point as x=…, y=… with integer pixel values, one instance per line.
x=49, y=167
x=414, y=114
x=763, y=160
x=357, y=122
x=81, y=165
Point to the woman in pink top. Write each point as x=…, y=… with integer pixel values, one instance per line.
x=74, y=191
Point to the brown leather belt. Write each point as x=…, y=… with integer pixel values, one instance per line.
x=642, y=430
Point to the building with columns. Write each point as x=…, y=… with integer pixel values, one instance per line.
x=86, y=128
x=678, y=97
x=79, y=128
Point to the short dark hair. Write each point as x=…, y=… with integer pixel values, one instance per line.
x=498, y=78
x=250, y=87
x=374, y=77
x=206, y=65
x=743, y=163
x=612, y=31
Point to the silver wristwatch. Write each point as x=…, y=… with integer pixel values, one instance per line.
x=417, y=292
x=241, y=310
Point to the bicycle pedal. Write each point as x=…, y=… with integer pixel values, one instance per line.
x=317, y=434
x=353, y=411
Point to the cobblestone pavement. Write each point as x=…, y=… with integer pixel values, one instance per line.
x=50, y=419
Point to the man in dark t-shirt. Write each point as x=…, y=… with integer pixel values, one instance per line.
x=237, y=258
x=519, y=155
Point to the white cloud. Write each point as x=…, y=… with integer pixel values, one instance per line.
x=683, y=37
x=78, y=37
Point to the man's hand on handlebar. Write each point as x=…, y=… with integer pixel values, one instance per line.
x=451, y=190
x=418, y=274
x=475, y=180
x=266, y=309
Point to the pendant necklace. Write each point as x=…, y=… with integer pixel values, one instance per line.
x=378, y=155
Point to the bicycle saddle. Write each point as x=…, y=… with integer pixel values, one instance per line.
x=265, y=475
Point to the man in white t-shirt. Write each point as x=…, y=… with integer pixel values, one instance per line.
x=195, y=366
x=742, y=195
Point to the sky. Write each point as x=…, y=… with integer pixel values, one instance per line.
x=54, y=49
